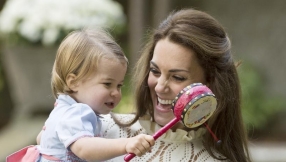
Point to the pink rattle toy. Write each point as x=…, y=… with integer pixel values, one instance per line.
x=194, y=105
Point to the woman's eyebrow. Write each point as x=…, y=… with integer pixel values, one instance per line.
x=154, y=64
x=178, y=70
x=172, y=70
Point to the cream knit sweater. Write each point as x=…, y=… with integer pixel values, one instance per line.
x=178, y=146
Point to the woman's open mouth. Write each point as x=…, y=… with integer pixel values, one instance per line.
x=164, y=106
x=164, y=102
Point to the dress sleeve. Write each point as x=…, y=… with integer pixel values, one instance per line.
x=77, y=122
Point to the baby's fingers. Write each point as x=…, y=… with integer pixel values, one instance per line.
x=146, y=146
x=150, y=140
x=138, y=152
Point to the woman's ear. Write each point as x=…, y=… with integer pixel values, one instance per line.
x=71, y=82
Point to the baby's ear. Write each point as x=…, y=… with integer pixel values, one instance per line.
x=71, y=82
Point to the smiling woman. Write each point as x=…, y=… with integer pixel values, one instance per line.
x=189, y=46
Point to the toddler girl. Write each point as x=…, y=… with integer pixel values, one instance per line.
x=87, y=77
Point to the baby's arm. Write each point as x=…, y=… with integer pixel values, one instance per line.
x=99, y=149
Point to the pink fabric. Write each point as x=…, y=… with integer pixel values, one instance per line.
x=27, y=154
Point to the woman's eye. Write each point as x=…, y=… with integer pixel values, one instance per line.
x=178, y=78
x=154, y=71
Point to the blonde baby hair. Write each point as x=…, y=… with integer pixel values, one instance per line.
x=79, y=54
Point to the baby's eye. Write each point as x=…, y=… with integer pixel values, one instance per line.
x=107, y=84
x=119, y=86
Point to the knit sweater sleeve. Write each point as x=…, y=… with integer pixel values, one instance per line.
x=172, y=146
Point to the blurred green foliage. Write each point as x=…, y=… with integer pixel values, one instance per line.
x=257, y=106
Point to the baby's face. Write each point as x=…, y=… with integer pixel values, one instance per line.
x=102, y=91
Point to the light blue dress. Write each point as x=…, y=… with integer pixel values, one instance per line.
x=68, y=122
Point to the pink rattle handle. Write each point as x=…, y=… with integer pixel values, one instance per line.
x=165, y=128
x=158, y=134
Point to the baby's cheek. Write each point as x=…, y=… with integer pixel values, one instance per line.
x=118, y=100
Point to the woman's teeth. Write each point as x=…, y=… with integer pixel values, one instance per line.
x=165, y=102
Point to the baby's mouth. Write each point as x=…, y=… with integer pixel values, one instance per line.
x=109, y=104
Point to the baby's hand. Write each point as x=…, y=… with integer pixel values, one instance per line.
x=140, y=144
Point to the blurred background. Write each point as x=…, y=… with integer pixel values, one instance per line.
x=31, y=30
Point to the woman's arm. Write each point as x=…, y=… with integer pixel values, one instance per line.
x=99, y=149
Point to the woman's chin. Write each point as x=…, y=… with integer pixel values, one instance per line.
x=162, y=121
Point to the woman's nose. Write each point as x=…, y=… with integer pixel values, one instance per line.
x=162, y=85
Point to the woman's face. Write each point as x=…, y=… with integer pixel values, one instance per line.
x=172, y=68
